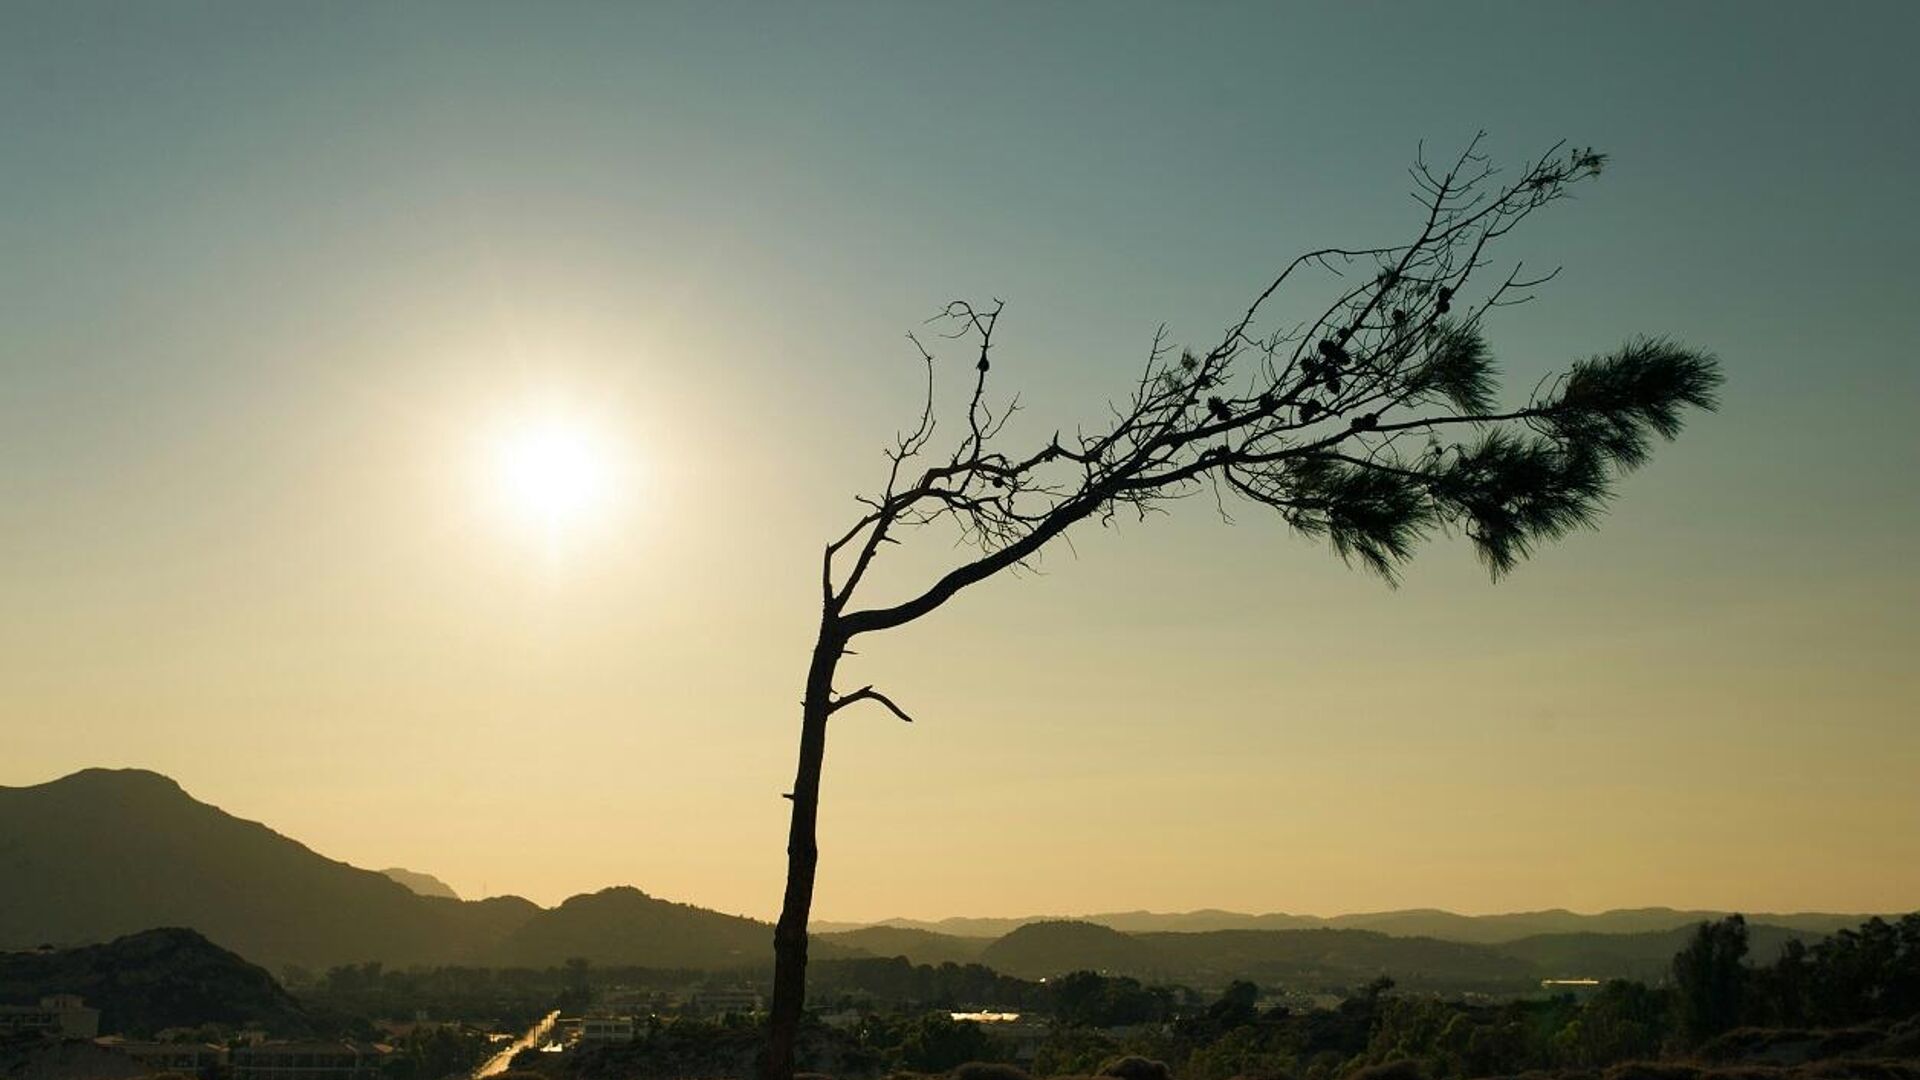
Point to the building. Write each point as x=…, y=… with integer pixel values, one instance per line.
x=605, y=1030
x=306, y=1061
x=190, y=1058
x=739, y=1001
x=60, y=1016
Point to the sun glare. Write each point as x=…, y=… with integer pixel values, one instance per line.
x=552, y=473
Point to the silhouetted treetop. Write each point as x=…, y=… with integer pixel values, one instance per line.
x=1373, y=425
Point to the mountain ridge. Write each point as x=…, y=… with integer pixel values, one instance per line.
x=421, y=883
x=81, y=838
x=1492, y=928
x=168, y=977
x=268, y=897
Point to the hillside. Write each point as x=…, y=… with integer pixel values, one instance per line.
x=1646, y=957
x=158, y=979
x=423, y=884
x=919, y=946
x=1308, y=959
x=623, y=926
x=1327, y=958
x=1043, y=949
x=83, y=838
x=1417, y=922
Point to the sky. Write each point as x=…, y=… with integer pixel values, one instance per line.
x=276, y=280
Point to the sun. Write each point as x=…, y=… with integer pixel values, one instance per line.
x=554, y=473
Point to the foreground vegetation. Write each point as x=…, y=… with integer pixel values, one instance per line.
x=1847, y=1006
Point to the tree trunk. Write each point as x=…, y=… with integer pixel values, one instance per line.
x=803, y=852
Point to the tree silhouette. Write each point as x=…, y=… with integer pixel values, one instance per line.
x=1710, y=978
x=1373, y=425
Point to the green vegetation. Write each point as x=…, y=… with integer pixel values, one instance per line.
x=1855, y=995
x=1712, y=1015
x=435, y=1051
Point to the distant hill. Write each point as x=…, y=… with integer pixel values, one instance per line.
x=1313, y=959
x=1328, y=958
x=112, y=852
x=158, y=979
x=1647, y=956
x=1042, y=949
x=115, y=851
x=1417, y=922
x=919, y=946
x=83, y=839
x=623, y=926
x=421, y=884
x=1499, y=929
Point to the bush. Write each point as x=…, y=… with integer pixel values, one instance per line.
x=1403, y=1069
x=988, y=1070
x=1135, y=1067
x=1653, y=1070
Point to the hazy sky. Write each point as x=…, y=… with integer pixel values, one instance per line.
x=272, y=275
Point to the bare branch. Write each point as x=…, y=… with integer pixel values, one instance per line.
x=868, y=693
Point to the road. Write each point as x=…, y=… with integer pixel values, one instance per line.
x=535, y=1035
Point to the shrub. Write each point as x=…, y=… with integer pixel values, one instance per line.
x=988, y=1070
x=1403, y=1069
x=1135, y=1067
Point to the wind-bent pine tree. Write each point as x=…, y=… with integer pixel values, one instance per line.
x=1374, y=426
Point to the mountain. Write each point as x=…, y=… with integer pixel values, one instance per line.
x=421, y=884
x=919, y=946
x=623, y=926
x=113, y=851
x=1311, y=959
x=1417, y=922
x=1647, y=957
x=158, y=979
x=1043, y=949
x=1328, y=958
x=1500, y=929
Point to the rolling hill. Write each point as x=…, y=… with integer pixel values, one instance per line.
x=1314, y=959
x=1644, y=956
x=1043, y=949
x=919, y=946
x=1416, y=922
x=110, y=852
x=623, y=926
x=114, y=852
x=424, y=884
x=159, y=979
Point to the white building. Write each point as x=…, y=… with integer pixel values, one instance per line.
x=60, y=1016
x=605, y=1030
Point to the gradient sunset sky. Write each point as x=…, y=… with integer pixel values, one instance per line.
x=272, y=276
